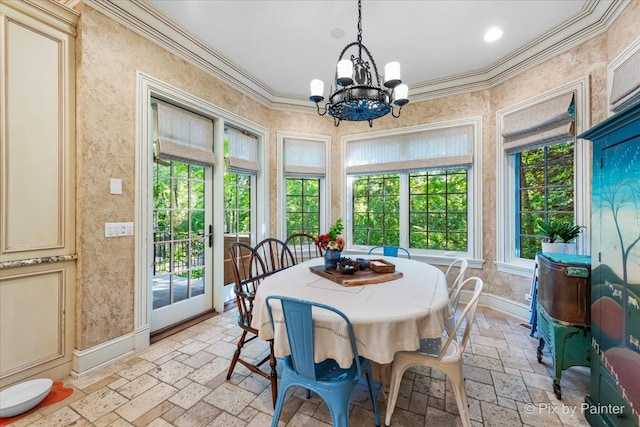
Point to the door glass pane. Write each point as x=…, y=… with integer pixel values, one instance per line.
x=178, y=232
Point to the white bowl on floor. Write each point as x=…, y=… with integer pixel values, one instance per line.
x=21, y=397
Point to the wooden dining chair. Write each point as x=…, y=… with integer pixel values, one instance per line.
x=444, y=355
x=326, y=378
x=303, y=246
x=248, y=272
x=275, y=255
x=391, y=251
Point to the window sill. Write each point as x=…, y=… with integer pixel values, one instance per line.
x=519, y=268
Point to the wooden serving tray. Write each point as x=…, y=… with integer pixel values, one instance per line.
x=360, y=277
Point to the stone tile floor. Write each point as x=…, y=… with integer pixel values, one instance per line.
x=180, y=381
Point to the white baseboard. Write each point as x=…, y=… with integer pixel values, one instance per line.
x=89, y=360
x=501, y=304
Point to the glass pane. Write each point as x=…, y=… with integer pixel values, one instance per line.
x=197, y=195
x=180, y=288
x=161, y=288
x=197, y=224
x=197, y=282
x=197, y=172
x=180, y=170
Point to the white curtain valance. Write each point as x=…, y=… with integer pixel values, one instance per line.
x=625, y=89
x=433, y=148
x=545, y=123
x=243, y=152
x=304, y=157
x=182, y=135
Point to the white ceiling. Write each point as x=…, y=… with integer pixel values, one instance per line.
x=271, y=49
x=283, y=44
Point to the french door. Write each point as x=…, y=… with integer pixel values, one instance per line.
x=182, y=241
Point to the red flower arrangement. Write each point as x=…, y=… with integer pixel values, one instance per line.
x=332, y=239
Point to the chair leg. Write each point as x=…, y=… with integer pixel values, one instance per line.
x=277, y=410
x=374, y=404
x=456, y=377
x=339, y=405
x=399, y=366
x=236, y=355
x=273, y=374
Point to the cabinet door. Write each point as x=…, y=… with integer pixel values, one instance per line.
x=616, y=279
x=37, y=146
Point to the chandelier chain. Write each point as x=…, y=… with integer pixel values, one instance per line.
x=359, y=21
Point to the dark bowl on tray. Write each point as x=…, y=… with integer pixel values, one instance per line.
x=348, y=266
x=364, y=263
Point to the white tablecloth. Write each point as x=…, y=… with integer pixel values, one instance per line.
x=386, y=317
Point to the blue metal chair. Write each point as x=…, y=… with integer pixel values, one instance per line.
x=391, y=250
x=331, y=382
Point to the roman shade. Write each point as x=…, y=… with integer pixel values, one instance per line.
x=425, y=149
x=304, y=157
x=545, y=123
x=243, y=152
x=625, y=89
x=182, y=135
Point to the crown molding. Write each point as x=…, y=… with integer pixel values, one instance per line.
x=51, y=12
x=144, y=19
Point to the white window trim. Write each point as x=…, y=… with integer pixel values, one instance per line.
x=506, y=261
x=325, y=181
x=474, y=255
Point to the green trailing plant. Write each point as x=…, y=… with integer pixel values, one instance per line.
x=556, y=231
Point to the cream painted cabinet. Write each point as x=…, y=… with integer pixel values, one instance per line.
x=37, y=189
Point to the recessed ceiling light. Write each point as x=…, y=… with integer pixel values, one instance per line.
x=337, y=33
x=492, y=34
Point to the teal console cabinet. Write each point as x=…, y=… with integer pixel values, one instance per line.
x=563, y=295
x=614, y=395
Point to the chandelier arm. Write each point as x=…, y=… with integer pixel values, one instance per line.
x=325, y=109
x=393, y=112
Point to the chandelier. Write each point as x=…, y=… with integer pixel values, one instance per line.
x=359, y=96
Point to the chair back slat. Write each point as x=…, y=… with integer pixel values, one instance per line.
x=303, y=246
x=299, y=325
x=275, y=255
x=391, y=251
x=248, y=272
x=467, y=315
x=454, y=284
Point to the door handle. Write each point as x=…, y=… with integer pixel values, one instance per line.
x=210, y=235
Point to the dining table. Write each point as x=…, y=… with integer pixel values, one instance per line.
x=387, y=317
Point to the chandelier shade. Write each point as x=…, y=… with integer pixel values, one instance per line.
x=359, y=94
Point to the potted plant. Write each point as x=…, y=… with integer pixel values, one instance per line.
x=558, y=236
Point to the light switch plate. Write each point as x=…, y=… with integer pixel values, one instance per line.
x=115, y=186
x=116, y=229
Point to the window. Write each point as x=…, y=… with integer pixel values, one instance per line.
x=303, y=205
x=544, y=184
x=376, y=205
x=418, y=188
x=543, y=172
x=438, y=201
x=302, y=183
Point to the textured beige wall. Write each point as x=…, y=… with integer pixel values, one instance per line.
x=107, y=60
